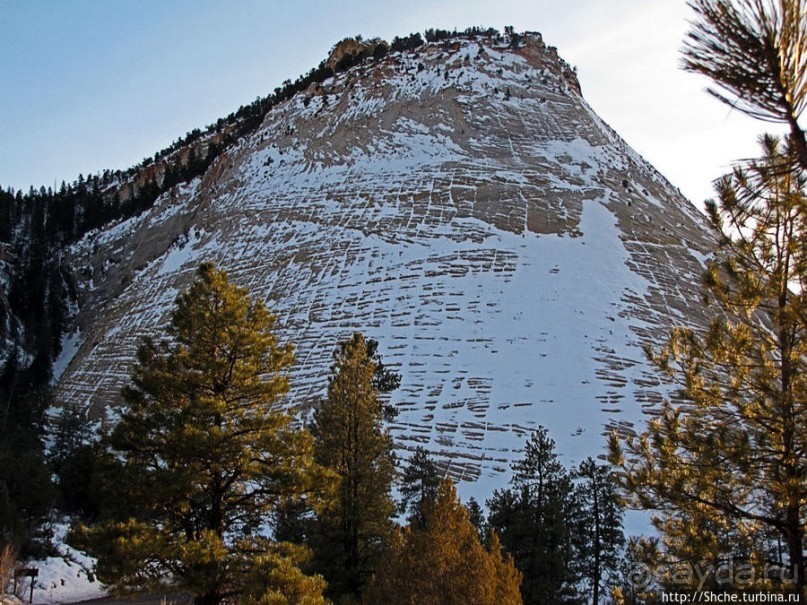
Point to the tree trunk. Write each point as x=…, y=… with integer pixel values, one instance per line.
x=795, y=547
x=799, y=142
x=595, y=598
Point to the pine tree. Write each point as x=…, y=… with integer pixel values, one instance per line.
x=732, y=449
x=699, y=550
x=274, y=578
x=204, y=453
x=725, y=461
x=635, y=581
x=443, y=563
x=477, y=516
x=349, y=440
x=419, y=484
x=26, y=491
x=533, y=519
x=755, y=52
x=597, y=526
x=74, y=457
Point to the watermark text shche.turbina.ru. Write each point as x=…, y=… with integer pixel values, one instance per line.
x=707, y=596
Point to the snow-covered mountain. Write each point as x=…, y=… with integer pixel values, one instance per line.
x=460, y=203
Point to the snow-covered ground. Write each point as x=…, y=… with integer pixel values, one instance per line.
x=67, y=578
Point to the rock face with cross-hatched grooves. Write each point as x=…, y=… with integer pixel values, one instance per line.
x=461, y=204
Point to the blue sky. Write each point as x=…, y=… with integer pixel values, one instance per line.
x=95, y=84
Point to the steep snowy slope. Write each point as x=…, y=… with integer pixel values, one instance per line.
x=461, y=204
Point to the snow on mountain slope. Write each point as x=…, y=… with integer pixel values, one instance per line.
x=461, y=204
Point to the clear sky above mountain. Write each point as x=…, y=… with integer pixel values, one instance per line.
x=89, y=85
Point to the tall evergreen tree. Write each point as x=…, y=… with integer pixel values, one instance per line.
x=726, y=463
x=75, y=457
x=204, y=453
x=420, y=481
x=350, y=440
x=533, y=518
x=442, y=562
x=26, y=491
x=733, y=447
x=597, y=526
x=477, y=516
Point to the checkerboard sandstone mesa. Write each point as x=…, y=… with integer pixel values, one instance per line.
x=459, y=202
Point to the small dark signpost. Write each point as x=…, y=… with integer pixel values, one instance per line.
x=26, y=572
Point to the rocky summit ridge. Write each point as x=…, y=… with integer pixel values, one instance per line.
x=460, y=203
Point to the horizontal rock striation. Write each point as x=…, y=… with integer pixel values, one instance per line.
x=460, y=203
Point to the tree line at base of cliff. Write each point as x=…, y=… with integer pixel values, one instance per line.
x=205, y=483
